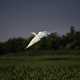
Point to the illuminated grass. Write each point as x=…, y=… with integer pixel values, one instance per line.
x=40, y=68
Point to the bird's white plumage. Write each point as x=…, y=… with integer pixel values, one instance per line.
x=37, y=38
x=34, y=33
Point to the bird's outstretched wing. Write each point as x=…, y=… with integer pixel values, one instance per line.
x=33, y=41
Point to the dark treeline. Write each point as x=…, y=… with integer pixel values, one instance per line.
x=69, y=40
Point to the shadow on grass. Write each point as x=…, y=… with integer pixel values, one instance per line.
x=64, y=59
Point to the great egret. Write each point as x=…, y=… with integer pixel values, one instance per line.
x=37, y=37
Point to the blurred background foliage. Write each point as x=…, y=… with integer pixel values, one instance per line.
x=70, y=40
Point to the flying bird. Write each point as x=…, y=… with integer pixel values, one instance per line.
x=37, y=37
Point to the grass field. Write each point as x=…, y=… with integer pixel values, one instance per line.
x=40, y=67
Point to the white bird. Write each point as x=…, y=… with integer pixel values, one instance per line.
x=37, y=37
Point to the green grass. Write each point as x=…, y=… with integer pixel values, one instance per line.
x=64, y=67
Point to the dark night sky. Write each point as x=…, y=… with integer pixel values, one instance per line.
x=20, y=17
